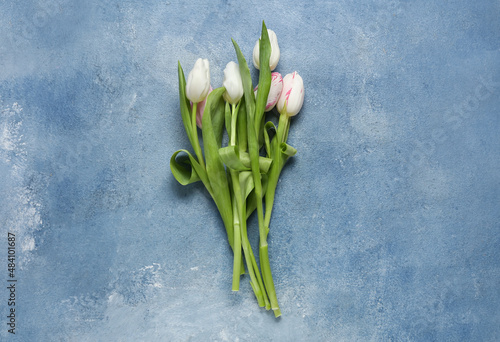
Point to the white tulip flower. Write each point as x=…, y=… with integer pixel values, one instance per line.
x=198, y=82
x=232, y=83
x=275, y=51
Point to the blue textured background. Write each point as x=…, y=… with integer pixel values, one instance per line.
x=386, y=225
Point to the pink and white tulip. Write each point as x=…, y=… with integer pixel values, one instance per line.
x=274, y=91
x=292, y=95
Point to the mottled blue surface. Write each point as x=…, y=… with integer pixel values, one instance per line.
x=387, y=222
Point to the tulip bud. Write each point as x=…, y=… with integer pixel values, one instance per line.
x=200, y=109
x=275, y=51
x=232, y=82
x=274, y=91
x=198, y=82
x=292, y=95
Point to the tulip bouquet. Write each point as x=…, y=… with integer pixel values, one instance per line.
x=241, y=177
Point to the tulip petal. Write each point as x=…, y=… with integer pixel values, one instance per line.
x=232, y=82
x=275, y=51
x=292, y=95
x=198, y=83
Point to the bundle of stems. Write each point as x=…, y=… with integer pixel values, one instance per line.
x=243, y=175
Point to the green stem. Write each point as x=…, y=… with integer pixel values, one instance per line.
x=268, y=278
x=196, y=142
x=234, y=118
x=237, y=218
x=254, y=264
x=273, y=176
x=263, y=249
x=240, y=237
x=237, y=237
x=253, y=270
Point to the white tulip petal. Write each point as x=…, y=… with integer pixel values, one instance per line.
x=233, y=83
x=275, y=51
x=198, y=82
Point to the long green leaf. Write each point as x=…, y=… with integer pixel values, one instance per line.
x=247, y=81
x=218, y=119
x=242, y=126
x=185, y=105
x=264, y=78
x=187, y=170
x=253, y=145
x=246, y=183
x=251, y=199
x=215, y=168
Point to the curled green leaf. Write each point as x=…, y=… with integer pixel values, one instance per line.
x=215, y=168
x=264, y=163
x=229, y=156
x=287, y=150
x=269, y=147
x=240, y=161
x=187, y=170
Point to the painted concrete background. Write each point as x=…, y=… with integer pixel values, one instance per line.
x=387, y=221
